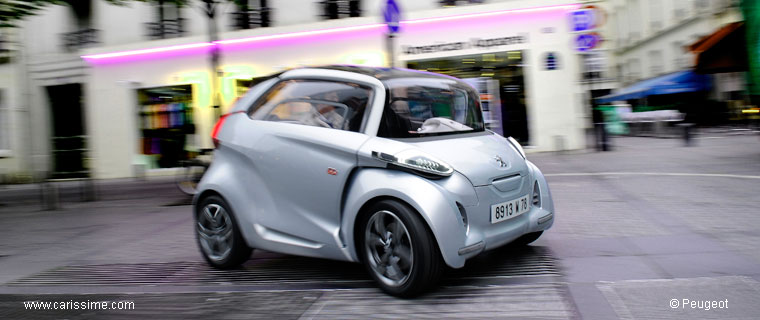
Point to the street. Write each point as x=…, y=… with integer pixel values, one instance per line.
x=650, y=230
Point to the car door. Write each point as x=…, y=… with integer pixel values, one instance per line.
x=304, y=155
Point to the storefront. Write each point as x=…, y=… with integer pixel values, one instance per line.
x=166, y=121
x=151, y=108
x=521, y=60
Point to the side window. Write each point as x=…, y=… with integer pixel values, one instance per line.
x=320, y=103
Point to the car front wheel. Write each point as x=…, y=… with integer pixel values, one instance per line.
x=219, y=237
x=398, y=250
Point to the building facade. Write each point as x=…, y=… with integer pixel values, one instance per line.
x=651, y=37
x=112, y=91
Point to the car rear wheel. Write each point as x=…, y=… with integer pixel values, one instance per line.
x=397, y=248
x=219, y=237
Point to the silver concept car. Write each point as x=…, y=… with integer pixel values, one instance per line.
x=392, y=168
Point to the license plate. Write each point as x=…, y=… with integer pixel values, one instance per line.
x=510, y=209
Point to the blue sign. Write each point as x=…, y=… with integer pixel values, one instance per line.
x=392, y=15
x=587, y=41
x=582, y=20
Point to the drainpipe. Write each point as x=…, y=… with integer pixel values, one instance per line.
x=210, y=11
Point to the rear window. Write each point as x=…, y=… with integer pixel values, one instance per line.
x=427, y=107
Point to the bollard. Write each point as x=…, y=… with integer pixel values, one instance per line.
x=688, y=141
x=687, y=133
x=605, y=138
x=87, y=190
x=598, y=138
x=49, y=195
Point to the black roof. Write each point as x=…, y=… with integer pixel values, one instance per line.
x=383, y=74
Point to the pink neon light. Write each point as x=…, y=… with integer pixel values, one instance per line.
x=322, y=32
x=147, y=51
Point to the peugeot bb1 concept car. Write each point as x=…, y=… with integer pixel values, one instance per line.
x=392, y=168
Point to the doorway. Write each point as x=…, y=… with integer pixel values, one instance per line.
x=69, y=140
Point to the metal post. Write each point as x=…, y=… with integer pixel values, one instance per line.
x=49, y=196
x=214, y=58
x=87, y=190
x=390, y=49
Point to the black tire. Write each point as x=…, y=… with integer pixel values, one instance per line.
x=238, y=252
x=526, y=239
x=426, y=266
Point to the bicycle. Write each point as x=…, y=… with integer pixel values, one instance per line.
x=192, y=171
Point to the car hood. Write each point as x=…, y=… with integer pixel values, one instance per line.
x=475, y=156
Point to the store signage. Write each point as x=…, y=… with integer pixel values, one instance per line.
x=587, y=41
x=392, y=15
x=462, y=45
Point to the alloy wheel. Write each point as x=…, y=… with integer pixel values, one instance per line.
x=215, y=231
x=389, y=248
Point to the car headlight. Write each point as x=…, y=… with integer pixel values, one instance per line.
x=416, y=160
x=517, y=147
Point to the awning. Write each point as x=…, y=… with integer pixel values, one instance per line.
x=677, y=82
x=725, y=50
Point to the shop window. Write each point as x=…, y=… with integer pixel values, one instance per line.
x=166, y=124
x=336, y=9
x=251, y=14
x=169, y=24
x=336, y=105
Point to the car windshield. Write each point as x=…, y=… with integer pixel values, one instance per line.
x=424, y=107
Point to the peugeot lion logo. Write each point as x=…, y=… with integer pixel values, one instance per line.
x=501, y=162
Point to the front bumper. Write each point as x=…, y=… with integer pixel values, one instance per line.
x=482, y=235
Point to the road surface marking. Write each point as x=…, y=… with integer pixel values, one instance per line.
x=719, y=175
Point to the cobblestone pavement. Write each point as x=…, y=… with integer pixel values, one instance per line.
x=637, y=228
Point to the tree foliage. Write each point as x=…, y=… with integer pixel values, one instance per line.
x=12, y=11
